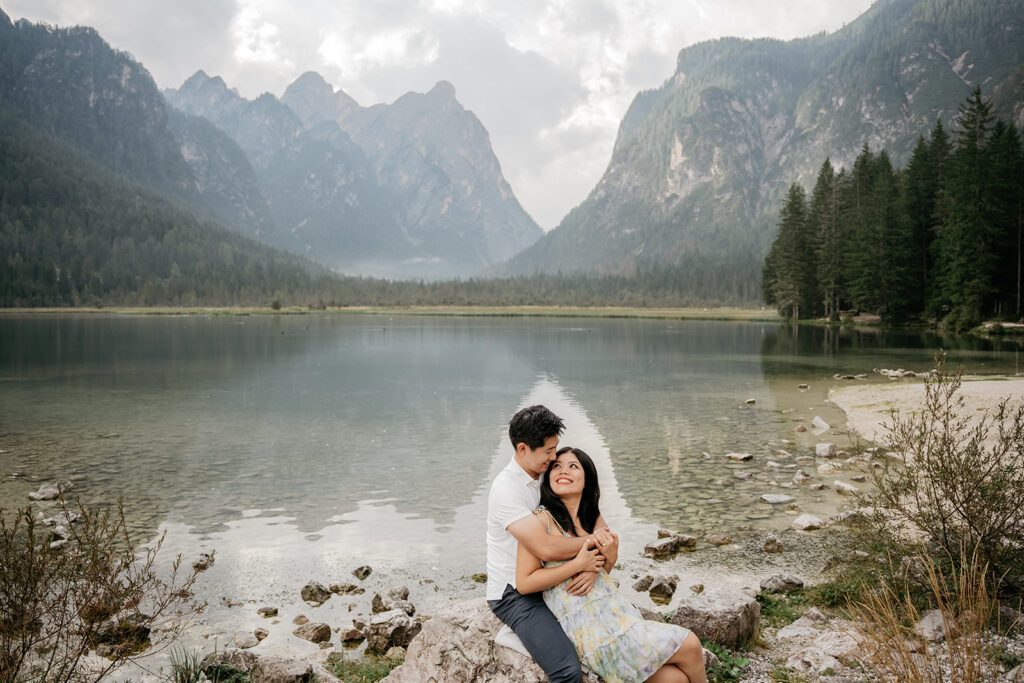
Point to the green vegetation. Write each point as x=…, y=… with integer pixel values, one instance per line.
x=97, y=591
x=955, y=482
x=941, y=238
x=366, y=669
x=730, y=667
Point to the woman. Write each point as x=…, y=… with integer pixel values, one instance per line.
x=611, y=636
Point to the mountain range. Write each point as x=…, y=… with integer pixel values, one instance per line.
x=410, y=189
x=700, y=165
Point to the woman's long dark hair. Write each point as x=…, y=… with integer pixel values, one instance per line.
x=591, y=496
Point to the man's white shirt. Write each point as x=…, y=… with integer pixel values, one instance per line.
x=514, y=495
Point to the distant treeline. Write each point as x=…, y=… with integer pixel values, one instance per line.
x=938, y=239
x=73, y=233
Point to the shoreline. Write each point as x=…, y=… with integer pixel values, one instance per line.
x=869, y=407
x=657, y=313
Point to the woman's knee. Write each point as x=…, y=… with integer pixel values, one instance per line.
x=691, y=648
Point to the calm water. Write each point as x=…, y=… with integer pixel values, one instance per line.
x=300, y=447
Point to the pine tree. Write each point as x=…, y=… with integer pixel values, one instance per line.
x=1007, y=202
x=791, y=256
x=823, y=224
x=965, y=253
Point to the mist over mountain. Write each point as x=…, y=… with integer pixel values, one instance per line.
x=700, y=165
x=407, y=189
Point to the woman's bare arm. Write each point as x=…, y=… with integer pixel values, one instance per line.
x=532, y=576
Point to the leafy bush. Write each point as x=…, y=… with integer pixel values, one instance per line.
x=950, y=489
x=367, y=669
x=730, y=667
x=98, y=593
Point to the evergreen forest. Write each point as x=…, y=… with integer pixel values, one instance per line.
x=937, y=240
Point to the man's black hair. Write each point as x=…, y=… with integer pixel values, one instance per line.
x=533, y=426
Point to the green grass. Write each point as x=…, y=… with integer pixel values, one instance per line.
x=365, y=669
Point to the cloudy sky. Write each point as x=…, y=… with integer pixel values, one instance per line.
x=549, y=79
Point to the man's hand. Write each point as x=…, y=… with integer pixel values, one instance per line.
x=582, y=583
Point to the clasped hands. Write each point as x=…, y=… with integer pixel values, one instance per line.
x=593, y=555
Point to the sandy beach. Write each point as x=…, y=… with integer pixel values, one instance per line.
x=868, y=407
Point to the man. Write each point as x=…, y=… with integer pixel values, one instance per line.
x=514, y=495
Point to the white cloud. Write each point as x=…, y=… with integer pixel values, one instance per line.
x=255, y=38
x=550, y=79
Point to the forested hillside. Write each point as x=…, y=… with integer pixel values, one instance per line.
x=940, y=238
x=701, y=165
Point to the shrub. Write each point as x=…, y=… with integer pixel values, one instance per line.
x=886, y=620
x=949, y=487
x=100, y=593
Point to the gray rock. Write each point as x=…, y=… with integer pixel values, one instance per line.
x=845, y=489
x=719, y=539
x=261, y=634
x=315, y=592
x=362, y=572
x=395, y=653
x=931, y=626
x=643, y=584
x=391, y=599
x=827, y=468
x=346, y=589
x=776, y=498
x=351, y=635
x=300, y=619
x=808, y=522
x=271, y=669
x=666, y=547
x=314, y=632
x=811, y=660
x=243, y=660
x=825, y=450
x=267, y=612
x=245, y=640
x=801, y=477
x=457, y=644
x=773, y=545
x=721, y=616
x=50, y=491
x=739, y=457
x=663, y=588
x=820, y=427
x=389, y=629
x=782, y=583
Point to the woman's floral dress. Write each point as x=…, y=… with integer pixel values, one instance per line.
x=611, y=636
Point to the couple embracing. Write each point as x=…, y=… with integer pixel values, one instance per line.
x=549, y=553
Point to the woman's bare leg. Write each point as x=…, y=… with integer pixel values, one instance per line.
x=689, y=658
x=668, y=673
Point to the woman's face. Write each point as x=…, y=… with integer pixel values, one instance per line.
x=566, y=475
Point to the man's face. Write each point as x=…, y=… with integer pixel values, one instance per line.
x=536, y=461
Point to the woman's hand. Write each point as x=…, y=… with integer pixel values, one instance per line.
x=607, y=541
x=589, y=558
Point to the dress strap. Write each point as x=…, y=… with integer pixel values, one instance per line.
x=547, y=518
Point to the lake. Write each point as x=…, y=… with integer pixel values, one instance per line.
x=302, y=446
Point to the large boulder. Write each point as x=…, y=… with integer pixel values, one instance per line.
x=457, y=646
x=390, y=629
x=728, y=618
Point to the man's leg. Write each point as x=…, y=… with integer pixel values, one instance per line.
x=540, y=632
